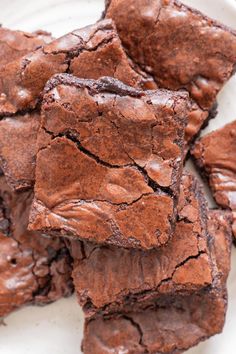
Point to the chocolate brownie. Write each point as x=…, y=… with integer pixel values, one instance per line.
x=15, y=44
x=33, y=269
x=108, y=279
x=171, y=324
x=111, y=172
x=215, y=155
x=89, y=52
x=179, y=47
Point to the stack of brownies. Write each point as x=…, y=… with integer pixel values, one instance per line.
x=94, y=132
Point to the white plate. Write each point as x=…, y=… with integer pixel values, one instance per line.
x=58, y=328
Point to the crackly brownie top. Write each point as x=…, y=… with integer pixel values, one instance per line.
x=18, y=137
x=90, y=52
x=33, y=268
x=104, y=275
x=179, y=46
x=100, y=54
x=171, y=324
x=15, y=44
x=215, y=155
x=103, y=55
x=114, y=160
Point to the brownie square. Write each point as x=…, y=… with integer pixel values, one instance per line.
x=109, y=279
x=33, y=269
x=215, y=155
x=171, y=324
x=180, y=47
x=111, y=171
x=89, y=52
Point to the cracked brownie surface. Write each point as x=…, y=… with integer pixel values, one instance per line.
x=215, y=155
x=169, y=325
x=108, y=279
x=18, y=148
x=91, y=52
x=33, y=269
x=111, y=171
x=18, y=134
x=179, y=47
x=88, y=52
x=15, y=44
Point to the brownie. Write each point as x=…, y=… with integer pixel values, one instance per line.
x=180, y=47
x=170, y=325
x=15, y=44
x=108, y=279
x=215, y=155
x=33, y=269
x=111, y=172
x=89, y=52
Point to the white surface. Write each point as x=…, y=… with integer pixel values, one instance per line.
x=57, y=329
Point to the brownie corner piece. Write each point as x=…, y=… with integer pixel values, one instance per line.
x=111, y=173
x=214, y=155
